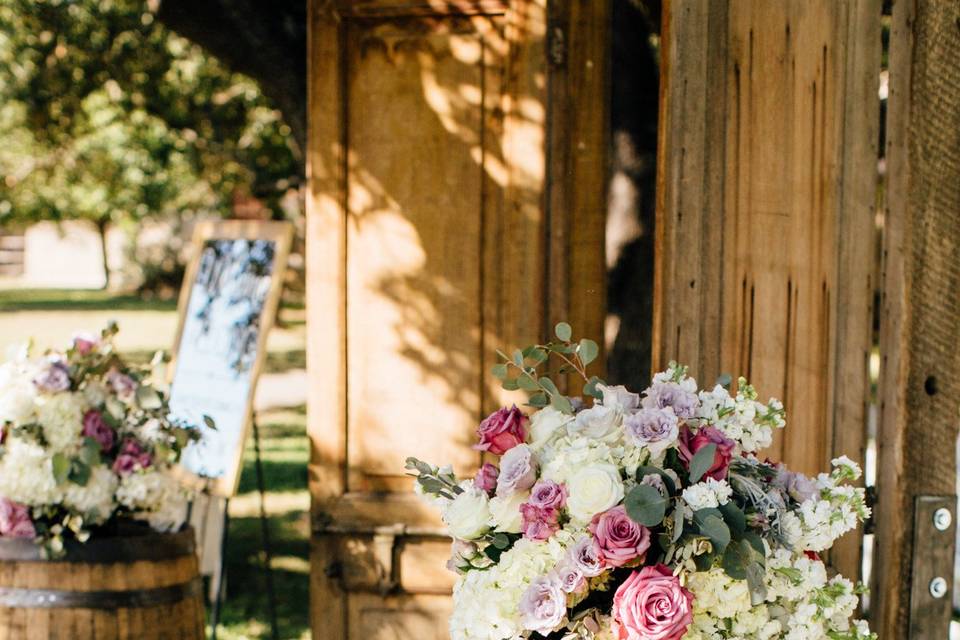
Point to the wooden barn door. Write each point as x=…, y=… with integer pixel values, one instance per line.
x=766, y=233
x=439, y=210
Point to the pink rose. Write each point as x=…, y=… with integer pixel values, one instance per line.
x=95, y=427
x=619, y=539
x=84, y=343
x=486, y=478
x=131, y=458
x=547, y=494
x=690, y=443
x=501, y=431
x=538, y=523
x=15, y=520
x=651, y=605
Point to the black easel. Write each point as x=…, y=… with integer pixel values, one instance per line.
x=267, y=550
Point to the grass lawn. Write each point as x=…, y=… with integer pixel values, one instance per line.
x=52, y=316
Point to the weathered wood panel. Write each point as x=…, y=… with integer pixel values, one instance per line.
x=765, y=227
x=430, y=244
x=920, y=312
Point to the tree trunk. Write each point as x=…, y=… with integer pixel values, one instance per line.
x=102, y=226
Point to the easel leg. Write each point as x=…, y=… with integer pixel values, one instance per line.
x=221, y=579
x=265, y=534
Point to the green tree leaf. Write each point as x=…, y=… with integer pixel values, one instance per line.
x=734, y=517
x=564, y=331
x=499, y=371
x=588, y=351
x=717, y=531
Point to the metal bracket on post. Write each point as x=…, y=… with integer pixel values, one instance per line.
x=934, y=536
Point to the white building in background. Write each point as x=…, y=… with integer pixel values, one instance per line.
x=66, y=255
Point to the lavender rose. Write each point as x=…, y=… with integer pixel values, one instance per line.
x=651, y=605
x=671, y=394
x=547, y=494
x=518, y=471
x=95, y=427
x=123, y=385
x=501, y=431
x=655, y=429
x=54, y=378
x=543, y=605
x=571, y=577
x=619, y=539
x=585, y=555
x=486, y=478
x=796, y=485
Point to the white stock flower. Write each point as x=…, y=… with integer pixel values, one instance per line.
x=593, y=489
x=468, y=515
x=17, y=392
x=710, y=493
x=505, y=512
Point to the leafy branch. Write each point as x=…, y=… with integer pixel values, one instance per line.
x=524, y=364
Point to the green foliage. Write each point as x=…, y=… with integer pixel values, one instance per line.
x=108, y=116
x=701, y=462
x=645, y=504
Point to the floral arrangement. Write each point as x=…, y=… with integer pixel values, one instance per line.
x=86, y=441
x=642, y=516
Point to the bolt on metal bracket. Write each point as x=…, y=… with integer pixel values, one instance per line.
x=934, y=536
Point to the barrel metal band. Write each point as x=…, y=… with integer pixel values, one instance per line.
x=57, y=599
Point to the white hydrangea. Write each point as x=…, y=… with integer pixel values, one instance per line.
x=95, y=500
x=147, y=490
x=709, y=493
x=61, y=416
x=718, y=594
x=26, y=473
x=171, y=514
x=17, y=392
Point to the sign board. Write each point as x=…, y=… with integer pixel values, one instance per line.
x=228, y=302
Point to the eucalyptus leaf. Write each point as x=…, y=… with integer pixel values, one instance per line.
x=701, y=462
x=90, y=451
x=588, y=351
x=499, y=371
x=645, y=505
x=527, y=383
x=61, y=468
x=538, y=400
x=734, y=517
x=562, y=404
x=510, y=385
x=564, y=331
x=538, y=356
x=725, y=380
x=500, y=541
x=79, y=473
x=209, y=422
x=518, y=358
x=549, y=387
x=590, y=389
x=678, y=523
x=717, y=531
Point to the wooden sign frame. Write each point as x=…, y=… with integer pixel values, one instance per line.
x=281, y=234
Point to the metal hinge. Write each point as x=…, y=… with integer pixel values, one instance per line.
x=557, y=46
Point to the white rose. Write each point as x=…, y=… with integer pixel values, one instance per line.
x=505, y=512
x=544, y=423
x=592, y=490
x=468, y=515
x=597, y=422
x=619, y=398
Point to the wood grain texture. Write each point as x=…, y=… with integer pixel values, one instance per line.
x=181, y=619
x=428, y=248
x=765, y=229
x=920, y=330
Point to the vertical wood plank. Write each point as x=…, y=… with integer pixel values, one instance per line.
x=766, y=176
x=920, y=307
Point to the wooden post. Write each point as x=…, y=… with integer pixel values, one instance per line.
x=920, y=313
x=765, y=216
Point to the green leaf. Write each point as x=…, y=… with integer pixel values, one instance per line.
x=645, y=505
x=549, y=387
x=562, y=404
x=527, y=383
x=518, y=358
x=499, y=371
x=588, y=351
x=701, y=462
x=79, y=473
x=537, y=356
x=148, y=398
x=590, y=389
x=717, y=531
x=209, y=422
x=734, y=517
x=564, y=331
x=500, y=541
x=538, y=400
x=90, y=452
x=510, y=384
x=677, y=525
x=61, y=468
x=724, y=380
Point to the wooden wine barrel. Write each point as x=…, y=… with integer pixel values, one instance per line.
x=143, y=587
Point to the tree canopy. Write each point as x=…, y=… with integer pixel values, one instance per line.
x=108, y=115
